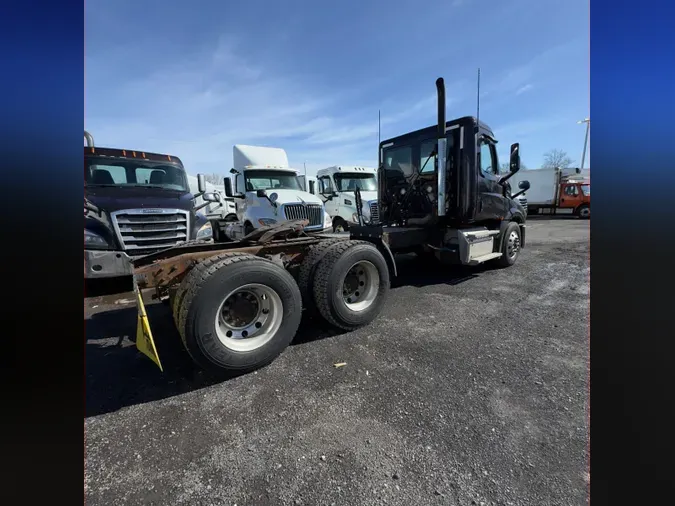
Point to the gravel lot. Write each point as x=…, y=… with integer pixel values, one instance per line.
x=470, y=388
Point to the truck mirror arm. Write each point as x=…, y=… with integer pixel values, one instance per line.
x=201, y=206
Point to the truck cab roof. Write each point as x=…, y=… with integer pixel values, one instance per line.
x=431, y=131
x=345, y=168
x=131, y=154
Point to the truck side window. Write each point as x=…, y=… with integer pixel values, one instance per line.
x=571, y=191
x=488, y=163
x=426, y=149
x=325, y=185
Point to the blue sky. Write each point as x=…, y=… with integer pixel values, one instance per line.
x=193, y=79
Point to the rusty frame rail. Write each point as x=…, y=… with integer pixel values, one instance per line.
x=168, y=267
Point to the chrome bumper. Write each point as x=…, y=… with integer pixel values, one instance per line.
x=106, y=264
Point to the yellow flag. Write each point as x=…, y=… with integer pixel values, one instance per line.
x=144, y=341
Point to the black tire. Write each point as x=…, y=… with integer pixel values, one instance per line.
x=584, y=211
x=197, y=270
x=339, y=222
x=308, y=270
x=207, y=285
x=508, y=257
x=329, y=282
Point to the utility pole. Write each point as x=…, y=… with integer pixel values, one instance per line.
x=588, y=127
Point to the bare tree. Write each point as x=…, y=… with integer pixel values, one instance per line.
x=506, y=167
x=557, y=158
x=215, y=179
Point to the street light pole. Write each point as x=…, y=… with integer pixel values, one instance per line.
x=588, y=127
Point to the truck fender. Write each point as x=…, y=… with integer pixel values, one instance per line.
x=502, y=229
x=385, y=250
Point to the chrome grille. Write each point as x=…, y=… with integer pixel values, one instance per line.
x=311, y=212
x=523, y=202
x=144, y=231
x=374, y=212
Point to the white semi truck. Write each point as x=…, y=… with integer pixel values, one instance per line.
x=267, y=191
x=336, y=186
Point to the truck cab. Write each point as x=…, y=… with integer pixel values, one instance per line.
x=440, y=193
x=576, y=194
x=135, y=203
x=336, y=186
x=267, y=191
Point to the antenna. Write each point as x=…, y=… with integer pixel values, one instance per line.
x=378, y=127
x=478, y=102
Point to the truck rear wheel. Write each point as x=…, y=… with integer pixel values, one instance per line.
x=238, y=313
x=351, y=284
x=308, y=270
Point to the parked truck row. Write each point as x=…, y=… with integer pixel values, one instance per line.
x=162, y=205
x=237, y=304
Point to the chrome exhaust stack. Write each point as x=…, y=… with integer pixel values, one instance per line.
x=89, y=138
x=442, y=145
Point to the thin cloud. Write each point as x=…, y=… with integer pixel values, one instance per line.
x=524, y=89
x=198, y=108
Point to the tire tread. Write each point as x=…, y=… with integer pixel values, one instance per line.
x=322, y=274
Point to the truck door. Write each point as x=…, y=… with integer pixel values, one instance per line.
x=491, y=200
x=327, y=194
x=570, y=196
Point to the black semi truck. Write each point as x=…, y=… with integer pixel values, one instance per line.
x=136, y=203
x=237, y=305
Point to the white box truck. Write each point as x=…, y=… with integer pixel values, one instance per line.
x=267, y=191
x=558, y=190
x=336, y=186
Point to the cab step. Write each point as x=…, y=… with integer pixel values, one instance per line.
x=484, y=258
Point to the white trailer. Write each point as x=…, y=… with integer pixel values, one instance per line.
x=336, y=186
x=267, y=191
x=308, y=183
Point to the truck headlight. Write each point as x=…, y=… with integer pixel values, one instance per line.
x=205, y=232
x=95, y=240
x=266, y=222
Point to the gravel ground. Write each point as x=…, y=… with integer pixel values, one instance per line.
x=470, y=388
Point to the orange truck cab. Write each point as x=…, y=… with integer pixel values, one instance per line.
x=575, y=195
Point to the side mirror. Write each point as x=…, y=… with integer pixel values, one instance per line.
x=228, y=187
x=261, y=194
x=211, y=197
x=233, y=171
x=514, y=162
x=524, y=186
x=311, y=188
x=201, y=183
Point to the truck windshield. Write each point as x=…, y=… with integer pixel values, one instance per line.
x=417, y=155
x=586, y=189
x=346, y=182
x=100, y=172
x=271, y=180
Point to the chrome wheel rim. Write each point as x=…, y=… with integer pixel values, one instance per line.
x=360, y=286
x=513, y=244
x=249, y=317
x=585, y=212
